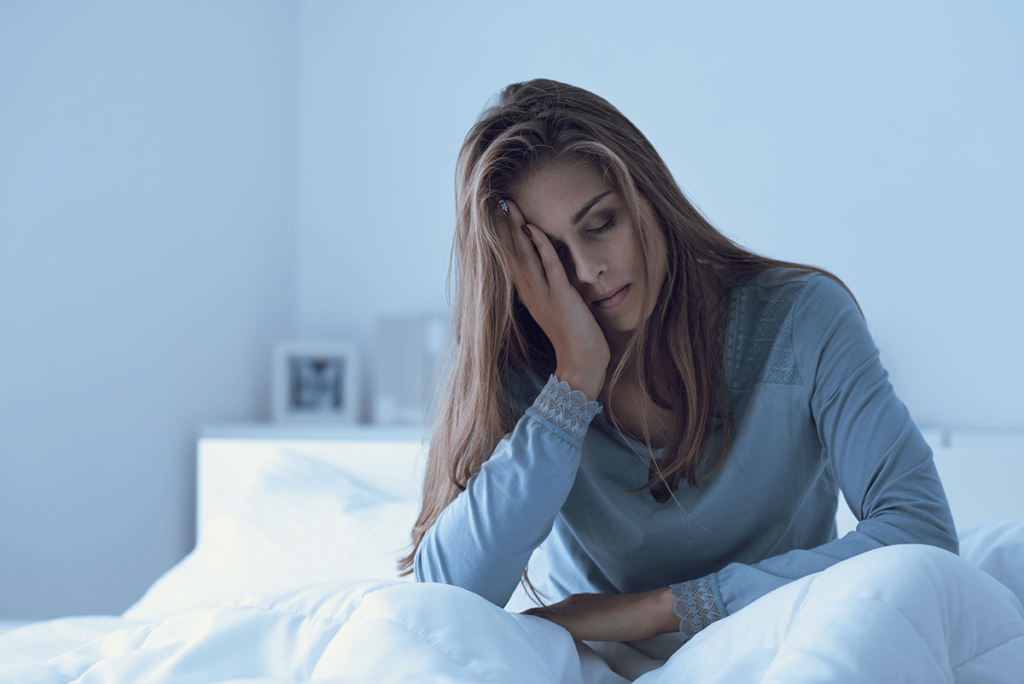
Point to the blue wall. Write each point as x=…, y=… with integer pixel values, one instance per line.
x=147, y=175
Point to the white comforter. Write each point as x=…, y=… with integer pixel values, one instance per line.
x=900, y=613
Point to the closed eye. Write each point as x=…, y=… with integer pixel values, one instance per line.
x=605, y=228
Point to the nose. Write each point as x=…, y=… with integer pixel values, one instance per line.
x=584, y=266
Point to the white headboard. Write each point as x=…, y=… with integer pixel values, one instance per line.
x=982, y=472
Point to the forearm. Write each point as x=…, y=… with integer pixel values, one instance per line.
x=484, y=538
x=742, y=584
x=614, y=617
x=664, y=616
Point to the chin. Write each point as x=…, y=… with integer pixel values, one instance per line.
x=617, y=329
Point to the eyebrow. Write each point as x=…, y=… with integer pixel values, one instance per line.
x=589, y=205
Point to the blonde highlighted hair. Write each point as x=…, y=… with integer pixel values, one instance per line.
x=493, y=335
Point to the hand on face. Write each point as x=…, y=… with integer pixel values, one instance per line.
x=581, y=350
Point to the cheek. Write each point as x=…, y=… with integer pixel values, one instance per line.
x=657, y=272
x=632, y=255
x=570, y=267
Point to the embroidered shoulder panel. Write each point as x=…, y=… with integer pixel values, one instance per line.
x=759, y=336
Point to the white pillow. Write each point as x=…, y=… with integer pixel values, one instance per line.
x=303, y=522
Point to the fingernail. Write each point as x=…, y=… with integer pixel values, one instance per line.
x=526, y=230
x=503, y=206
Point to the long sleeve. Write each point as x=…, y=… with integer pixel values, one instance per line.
x=483, y=540
x=872, y=447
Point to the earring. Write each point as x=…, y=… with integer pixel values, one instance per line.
x=503, y=206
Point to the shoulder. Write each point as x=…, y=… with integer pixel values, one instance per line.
x=771, y=286
x=786, y=292
x=772, y=318
x=829, y=336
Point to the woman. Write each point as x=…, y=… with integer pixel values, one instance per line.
x=673, y=414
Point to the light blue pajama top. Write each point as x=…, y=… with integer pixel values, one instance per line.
x=814, y=414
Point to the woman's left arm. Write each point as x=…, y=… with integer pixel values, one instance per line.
x=880, y=460
x=882, y=463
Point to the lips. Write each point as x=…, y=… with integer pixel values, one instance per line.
x=612, y=300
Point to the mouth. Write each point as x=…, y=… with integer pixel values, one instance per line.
x=612, y=300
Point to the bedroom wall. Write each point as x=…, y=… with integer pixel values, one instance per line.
x=146, y=268
x=880, y=139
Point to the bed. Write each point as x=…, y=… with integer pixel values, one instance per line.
x=293, y=579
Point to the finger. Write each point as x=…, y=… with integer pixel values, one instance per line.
x=502, y=224
x=554, y=271
x=539, y=611
x=526, y=251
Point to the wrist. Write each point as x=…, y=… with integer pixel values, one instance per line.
x=585, y=380
x=661, y=608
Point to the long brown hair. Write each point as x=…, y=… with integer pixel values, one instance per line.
x=674, y=357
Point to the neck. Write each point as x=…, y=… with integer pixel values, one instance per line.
x=662, y=371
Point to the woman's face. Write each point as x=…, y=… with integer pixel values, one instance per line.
x=589, y=225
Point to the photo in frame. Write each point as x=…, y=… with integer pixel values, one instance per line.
x=316, y=382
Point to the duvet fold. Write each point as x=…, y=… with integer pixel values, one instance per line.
x=901, y=613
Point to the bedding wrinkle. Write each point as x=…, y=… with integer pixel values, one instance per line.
x=974, y=671
x=810, y=652
x=898, y=613
x=427, y=623
x=910, y=611
x=361, y=623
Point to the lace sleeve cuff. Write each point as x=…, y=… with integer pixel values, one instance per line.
x=564, y=410
x=698, y=604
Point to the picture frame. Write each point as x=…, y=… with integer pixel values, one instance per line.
x=316, y=382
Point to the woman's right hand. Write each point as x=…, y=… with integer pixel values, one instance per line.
x=581, y=349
